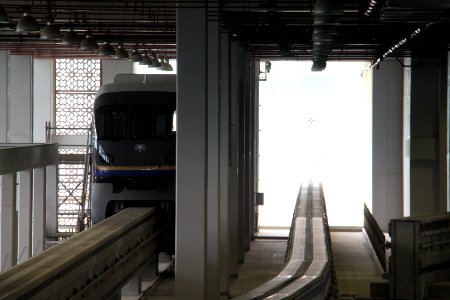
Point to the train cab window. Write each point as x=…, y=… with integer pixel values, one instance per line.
x=111, y=122
x=141, y=121
x=164, y=121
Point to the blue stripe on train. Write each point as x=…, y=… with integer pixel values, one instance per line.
x=133, y=173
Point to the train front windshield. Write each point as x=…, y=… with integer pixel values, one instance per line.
x=137, y=121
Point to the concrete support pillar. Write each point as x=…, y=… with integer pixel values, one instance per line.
x=254, y=81
x=39, y=211
x=387, y=168
x=213, y=161
x=241, y=155
x=429, y=132
x=8, y=222
x=51, y=201
x=224, y=166
x=233, y=175
x=198, y=216
x=247, y=155
x=25, y=217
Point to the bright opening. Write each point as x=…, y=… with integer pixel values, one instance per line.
x=315, y=125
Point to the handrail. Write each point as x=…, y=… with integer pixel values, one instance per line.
x=309, y=271
x=100, y=261
x=376, y=236
x=38, y=155
x=420, y=254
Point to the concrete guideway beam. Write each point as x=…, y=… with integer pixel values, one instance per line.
x=105, y=257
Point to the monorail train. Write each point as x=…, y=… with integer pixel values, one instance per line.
x=134, y=149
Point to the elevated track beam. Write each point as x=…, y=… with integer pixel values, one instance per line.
x=93, y=264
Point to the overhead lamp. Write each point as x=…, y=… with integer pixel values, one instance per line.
x=3, y=16
x=135, y=56
x=155, y=62
x=70, y=38
x=106, y=50
x=146, y=60
x=27, y=23
x=169, y=66
x=163, y=64
x=88, y=43
x=121, y=52
x=50, y=31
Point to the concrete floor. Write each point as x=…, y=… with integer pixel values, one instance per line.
x=355, y=267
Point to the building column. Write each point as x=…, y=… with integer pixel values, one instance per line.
x=8, y=222
x=387, y=157
x=233, y=175
x=429, y=131
x=51, y=201
x=224, y=166
x=198, y=202
x=39, y=211
x=25, y=219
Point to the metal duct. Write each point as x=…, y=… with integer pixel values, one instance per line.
x=416, y=11
x=327, y=15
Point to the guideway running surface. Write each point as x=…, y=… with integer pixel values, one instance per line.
x=308, y=273
x=95, y=263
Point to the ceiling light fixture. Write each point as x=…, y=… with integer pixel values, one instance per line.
x=88, y=43
x=146, y=60
x=50, y=31
x=106, y=50
x=135, y=56
x=70, y=38
x=155, y=62
x=164, y=66
x=121, y=52
x=3, y=16
x=27, y=23
x=169, y=66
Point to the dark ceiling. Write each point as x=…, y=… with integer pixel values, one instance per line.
x=271, y=29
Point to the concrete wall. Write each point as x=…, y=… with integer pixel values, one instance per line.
x=387, y=167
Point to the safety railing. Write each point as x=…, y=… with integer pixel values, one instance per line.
x=376, y=237
x=28, y=200
x=93, y=264
x=420, y=254
x=309, y=270
x=74, y=178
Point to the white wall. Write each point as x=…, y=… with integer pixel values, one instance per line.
x=16, y=111
x=4, y=56
x=112, y=67
x=387, y=166
x=42, y=91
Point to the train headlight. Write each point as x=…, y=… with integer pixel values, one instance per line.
x=107, y=159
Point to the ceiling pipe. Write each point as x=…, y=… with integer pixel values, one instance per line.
x=327, y=15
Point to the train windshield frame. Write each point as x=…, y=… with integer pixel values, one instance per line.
x=140, y=118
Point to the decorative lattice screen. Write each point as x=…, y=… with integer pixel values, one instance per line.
x=76, y=82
